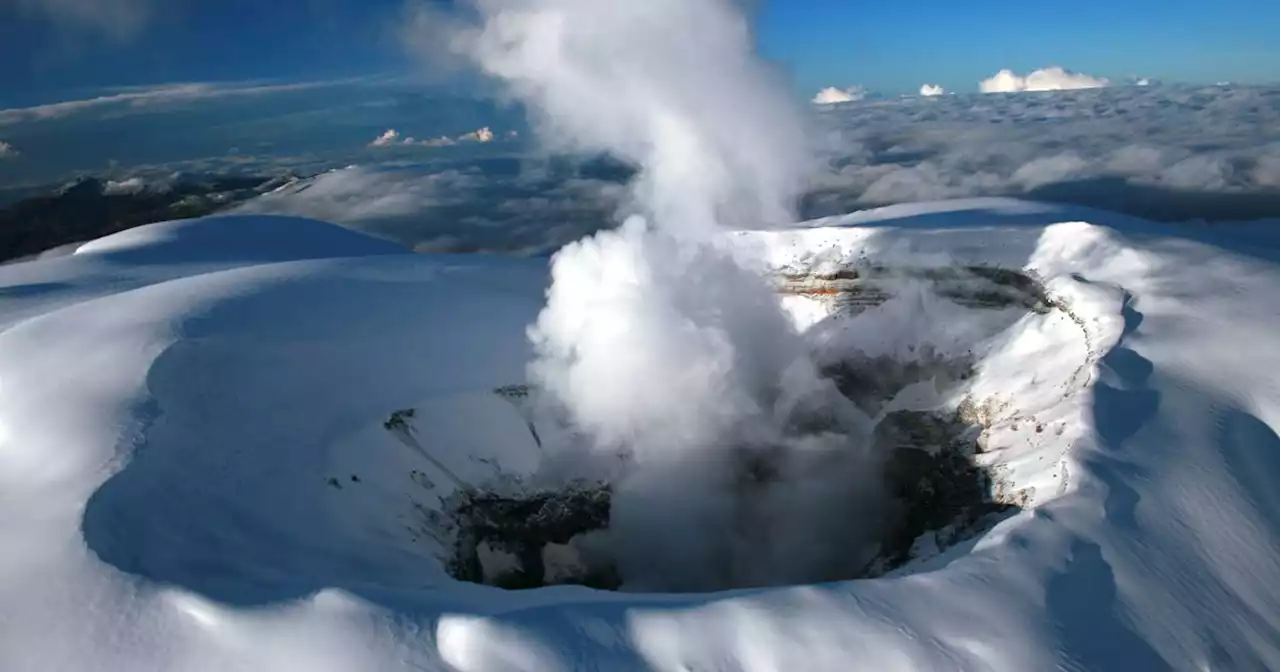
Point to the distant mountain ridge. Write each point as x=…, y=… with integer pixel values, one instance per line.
x=89, y=208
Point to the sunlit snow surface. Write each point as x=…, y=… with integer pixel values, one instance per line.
x=174, y=401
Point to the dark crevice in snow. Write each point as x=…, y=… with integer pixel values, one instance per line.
x=853, y=289
x=523, y=526
x=942, y=497
x=939, y=497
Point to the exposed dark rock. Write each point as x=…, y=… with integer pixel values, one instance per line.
x=935, y=487
x=931, y=475
x=854, y=289
x=940, y=496
x=524, y=524
x=399, y=419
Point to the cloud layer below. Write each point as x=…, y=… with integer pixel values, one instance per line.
x=492, y=205
x=1162, y=152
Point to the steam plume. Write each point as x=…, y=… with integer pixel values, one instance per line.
x=658, y=341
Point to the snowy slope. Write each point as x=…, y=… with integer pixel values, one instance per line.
x=195, y=472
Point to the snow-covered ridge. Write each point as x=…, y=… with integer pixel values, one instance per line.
x=194, y=453
x=88, y=208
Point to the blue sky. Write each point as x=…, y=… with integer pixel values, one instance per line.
x=896, y=46
x=56, y=49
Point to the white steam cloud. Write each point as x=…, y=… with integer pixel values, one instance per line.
x=662, y=84
x=932, y=90
x=1047, y=79
x=656, y=340
x=832, y=95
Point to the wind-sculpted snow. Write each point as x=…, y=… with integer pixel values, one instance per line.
x=234, y=241
x=196, y=473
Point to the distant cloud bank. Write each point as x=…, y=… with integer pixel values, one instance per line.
x=7, y=151
x=392, y=138
x=1046, y=79
x=832, y=95
x=150, y=97
x=1166, y=153
x=932, y=90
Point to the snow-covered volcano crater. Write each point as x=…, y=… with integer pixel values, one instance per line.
x=923, y=353
x=229, y=444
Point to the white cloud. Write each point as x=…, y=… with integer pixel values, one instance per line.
x=932, y=90
x=133, y=185
x=356, y=194
x=392, y=138
x=479, y=135
x=1050, y=170
x=429, y=31
x=156, y=96
x=470, y=209
x=1202, y=172
x=832, y=95
x=672, y=87
x=1137, y=160
x=7, y=151
x=1046, y=79
x=121, y=20
x=1266, y=173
